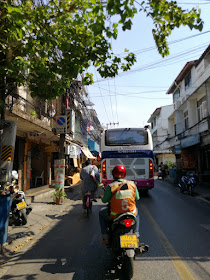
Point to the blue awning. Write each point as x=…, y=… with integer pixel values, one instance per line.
x=93, y=146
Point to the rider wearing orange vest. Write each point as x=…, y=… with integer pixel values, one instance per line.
x=122, y=195
x=123, y=198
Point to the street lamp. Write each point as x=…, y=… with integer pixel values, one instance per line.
x=51, y=111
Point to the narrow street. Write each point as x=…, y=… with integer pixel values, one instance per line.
x=174, y=225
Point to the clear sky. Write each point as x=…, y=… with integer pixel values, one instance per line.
x=130, y=98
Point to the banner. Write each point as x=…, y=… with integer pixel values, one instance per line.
x=59, y=171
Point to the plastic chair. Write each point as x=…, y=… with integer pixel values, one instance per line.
x=41, y=177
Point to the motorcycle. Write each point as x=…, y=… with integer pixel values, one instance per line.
x=19, y=209
x=161, y=173
x=125, y=242
x=188, y=183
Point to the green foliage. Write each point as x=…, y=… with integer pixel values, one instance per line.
x=59, y=193
x=34, y=113
x=47, y=44
x=169, y=164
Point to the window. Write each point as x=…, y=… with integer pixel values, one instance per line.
x=188, y=81
x=202, y=108
x=153, y=124
x=186, y=121
x=127, y=136
x=176, y=95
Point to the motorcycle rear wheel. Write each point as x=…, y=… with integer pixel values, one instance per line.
x=127, y=268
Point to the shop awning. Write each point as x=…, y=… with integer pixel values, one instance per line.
x=87, y=153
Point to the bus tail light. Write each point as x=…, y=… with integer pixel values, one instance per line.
x=150, y=169
x=104, y=170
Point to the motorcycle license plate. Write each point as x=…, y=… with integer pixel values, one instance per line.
x=21, y=205
x=129, y=241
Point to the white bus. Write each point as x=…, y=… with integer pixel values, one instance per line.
x=131, y=147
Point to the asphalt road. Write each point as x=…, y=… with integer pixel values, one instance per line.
x=174, y=225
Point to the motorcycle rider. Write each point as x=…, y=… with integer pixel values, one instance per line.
x=122, y=195
x=161, y=172
x=88, y=183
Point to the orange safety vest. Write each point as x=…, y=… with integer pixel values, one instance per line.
x=122, y=201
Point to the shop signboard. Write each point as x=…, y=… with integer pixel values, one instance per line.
x=59, y=171
x=51, y=149
x=190, y=141
x=73, y=151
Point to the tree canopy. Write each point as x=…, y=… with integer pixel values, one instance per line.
x=46, y=44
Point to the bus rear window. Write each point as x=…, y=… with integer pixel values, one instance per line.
x=127, y=136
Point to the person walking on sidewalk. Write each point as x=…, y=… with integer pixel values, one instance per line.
x=89, y=181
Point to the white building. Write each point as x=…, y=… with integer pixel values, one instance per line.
x=189, y=123
x=160, y=133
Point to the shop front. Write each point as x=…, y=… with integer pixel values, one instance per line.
x=73, y=164
x=37, y=164
x=189, y=152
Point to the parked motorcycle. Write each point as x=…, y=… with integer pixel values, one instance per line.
x=125, y=243
x=19, y=209
x=187, y=183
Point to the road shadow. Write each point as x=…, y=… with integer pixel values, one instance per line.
x=18, y=235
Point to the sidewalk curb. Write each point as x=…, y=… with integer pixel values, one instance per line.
x=197, y=195
x=14, y=248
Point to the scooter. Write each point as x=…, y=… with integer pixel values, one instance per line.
x=125, y=243
x=188, y=183
x=19, y=209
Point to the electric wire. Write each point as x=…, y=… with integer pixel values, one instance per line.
x=116, y=100
x=163, y=62
x=193, y=3
x=110, y=101
x=102, y=99
x=137, y=52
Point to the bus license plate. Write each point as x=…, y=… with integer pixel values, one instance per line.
x=129, y=241
x=21, y=205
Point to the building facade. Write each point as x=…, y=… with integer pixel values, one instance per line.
x=38, y=140
x=160, y=131
x=189, y=123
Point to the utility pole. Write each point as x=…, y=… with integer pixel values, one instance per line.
x=111, y=123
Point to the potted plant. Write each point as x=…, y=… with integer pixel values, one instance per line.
x=59, y=195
